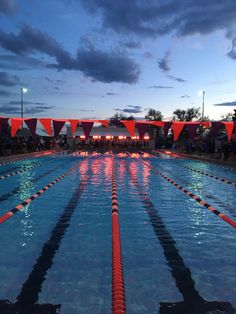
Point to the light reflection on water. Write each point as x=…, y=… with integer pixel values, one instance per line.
x=26, y=189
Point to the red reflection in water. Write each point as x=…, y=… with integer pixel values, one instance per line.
x=146, y=174
x=121, y=170
x=108, y=169
x=83, y=167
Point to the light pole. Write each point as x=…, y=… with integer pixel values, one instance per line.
x=23, y=90
x=203, y=98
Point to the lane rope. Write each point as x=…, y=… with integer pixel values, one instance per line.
x=196, y=159
x=33, y=157
x=27, y=201
x=118, y=290
x=193, y=196
x=23, y=170
x=224, y=180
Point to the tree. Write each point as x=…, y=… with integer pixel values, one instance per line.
x=186, y=115
x=227, y=117
x=154, y=115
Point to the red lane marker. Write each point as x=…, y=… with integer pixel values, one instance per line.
x=118, y=290
x=193, y=196
x=27, y=201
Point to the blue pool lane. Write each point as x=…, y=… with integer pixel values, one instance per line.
x=177, y=256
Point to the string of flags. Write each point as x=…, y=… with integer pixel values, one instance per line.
x=53, y=127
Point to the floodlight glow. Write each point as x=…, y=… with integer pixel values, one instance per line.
x=24, y=89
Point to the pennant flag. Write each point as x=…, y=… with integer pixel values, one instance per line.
x=191, y=128
x=159, y=124
x=31, y=124
x=229, y=126
x=177, y=128
x=215, y=128
x=57, y=126
x=46, y=123
x=167, y=125
x=103, y=122
x=87, y=127
x=73, y=124
x=142, y=129
x=130, y=126
x=3, y=123
x=16, y=123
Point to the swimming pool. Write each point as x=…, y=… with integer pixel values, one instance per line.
x=56, y=252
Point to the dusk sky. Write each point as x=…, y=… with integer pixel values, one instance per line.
x=93, y=58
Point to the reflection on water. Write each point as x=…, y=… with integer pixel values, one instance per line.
x=26, y=189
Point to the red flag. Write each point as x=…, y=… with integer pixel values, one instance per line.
x=16, y=123
x=130, y=126
x=46, y=123
x=31, y=124
x=87, y=127
x=57, y=126
x=177, y=128
x=73, y=124
x=229, y=126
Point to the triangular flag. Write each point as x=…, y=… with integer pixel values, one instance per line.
x=207, y=124
x=87, y=127
x=46, y=123
x=229, y=126
x=103, y=122
x=16, y=123
x=215, y=128
x=31, y=124
x=73, y=124
x=142, y=129
x=57, y=126
x=167, y=126
x=177, y=128
x=191, y=128
x=3, y=122
x=130, y=126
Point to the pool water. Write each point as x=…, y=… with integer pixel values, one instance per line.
x=56, y=254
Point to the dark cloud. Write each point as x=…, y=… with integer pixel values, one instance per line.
x=135, y=109
x=154, y=18
x=177, y=79
x=101, y=66
x=232, y=52
x=224, y=104
x=9, y=80
x=17, y=102
x=107, y=67
x=160, y=86
x=16, y=109
x=111, y=94
x=163, y=63
x=185, y=96
x=132, y=44
x=4, y=93
x=19, y=62
x=7, y=7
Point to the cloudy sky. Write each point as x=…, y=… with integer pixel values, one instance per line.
x=93, y=58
